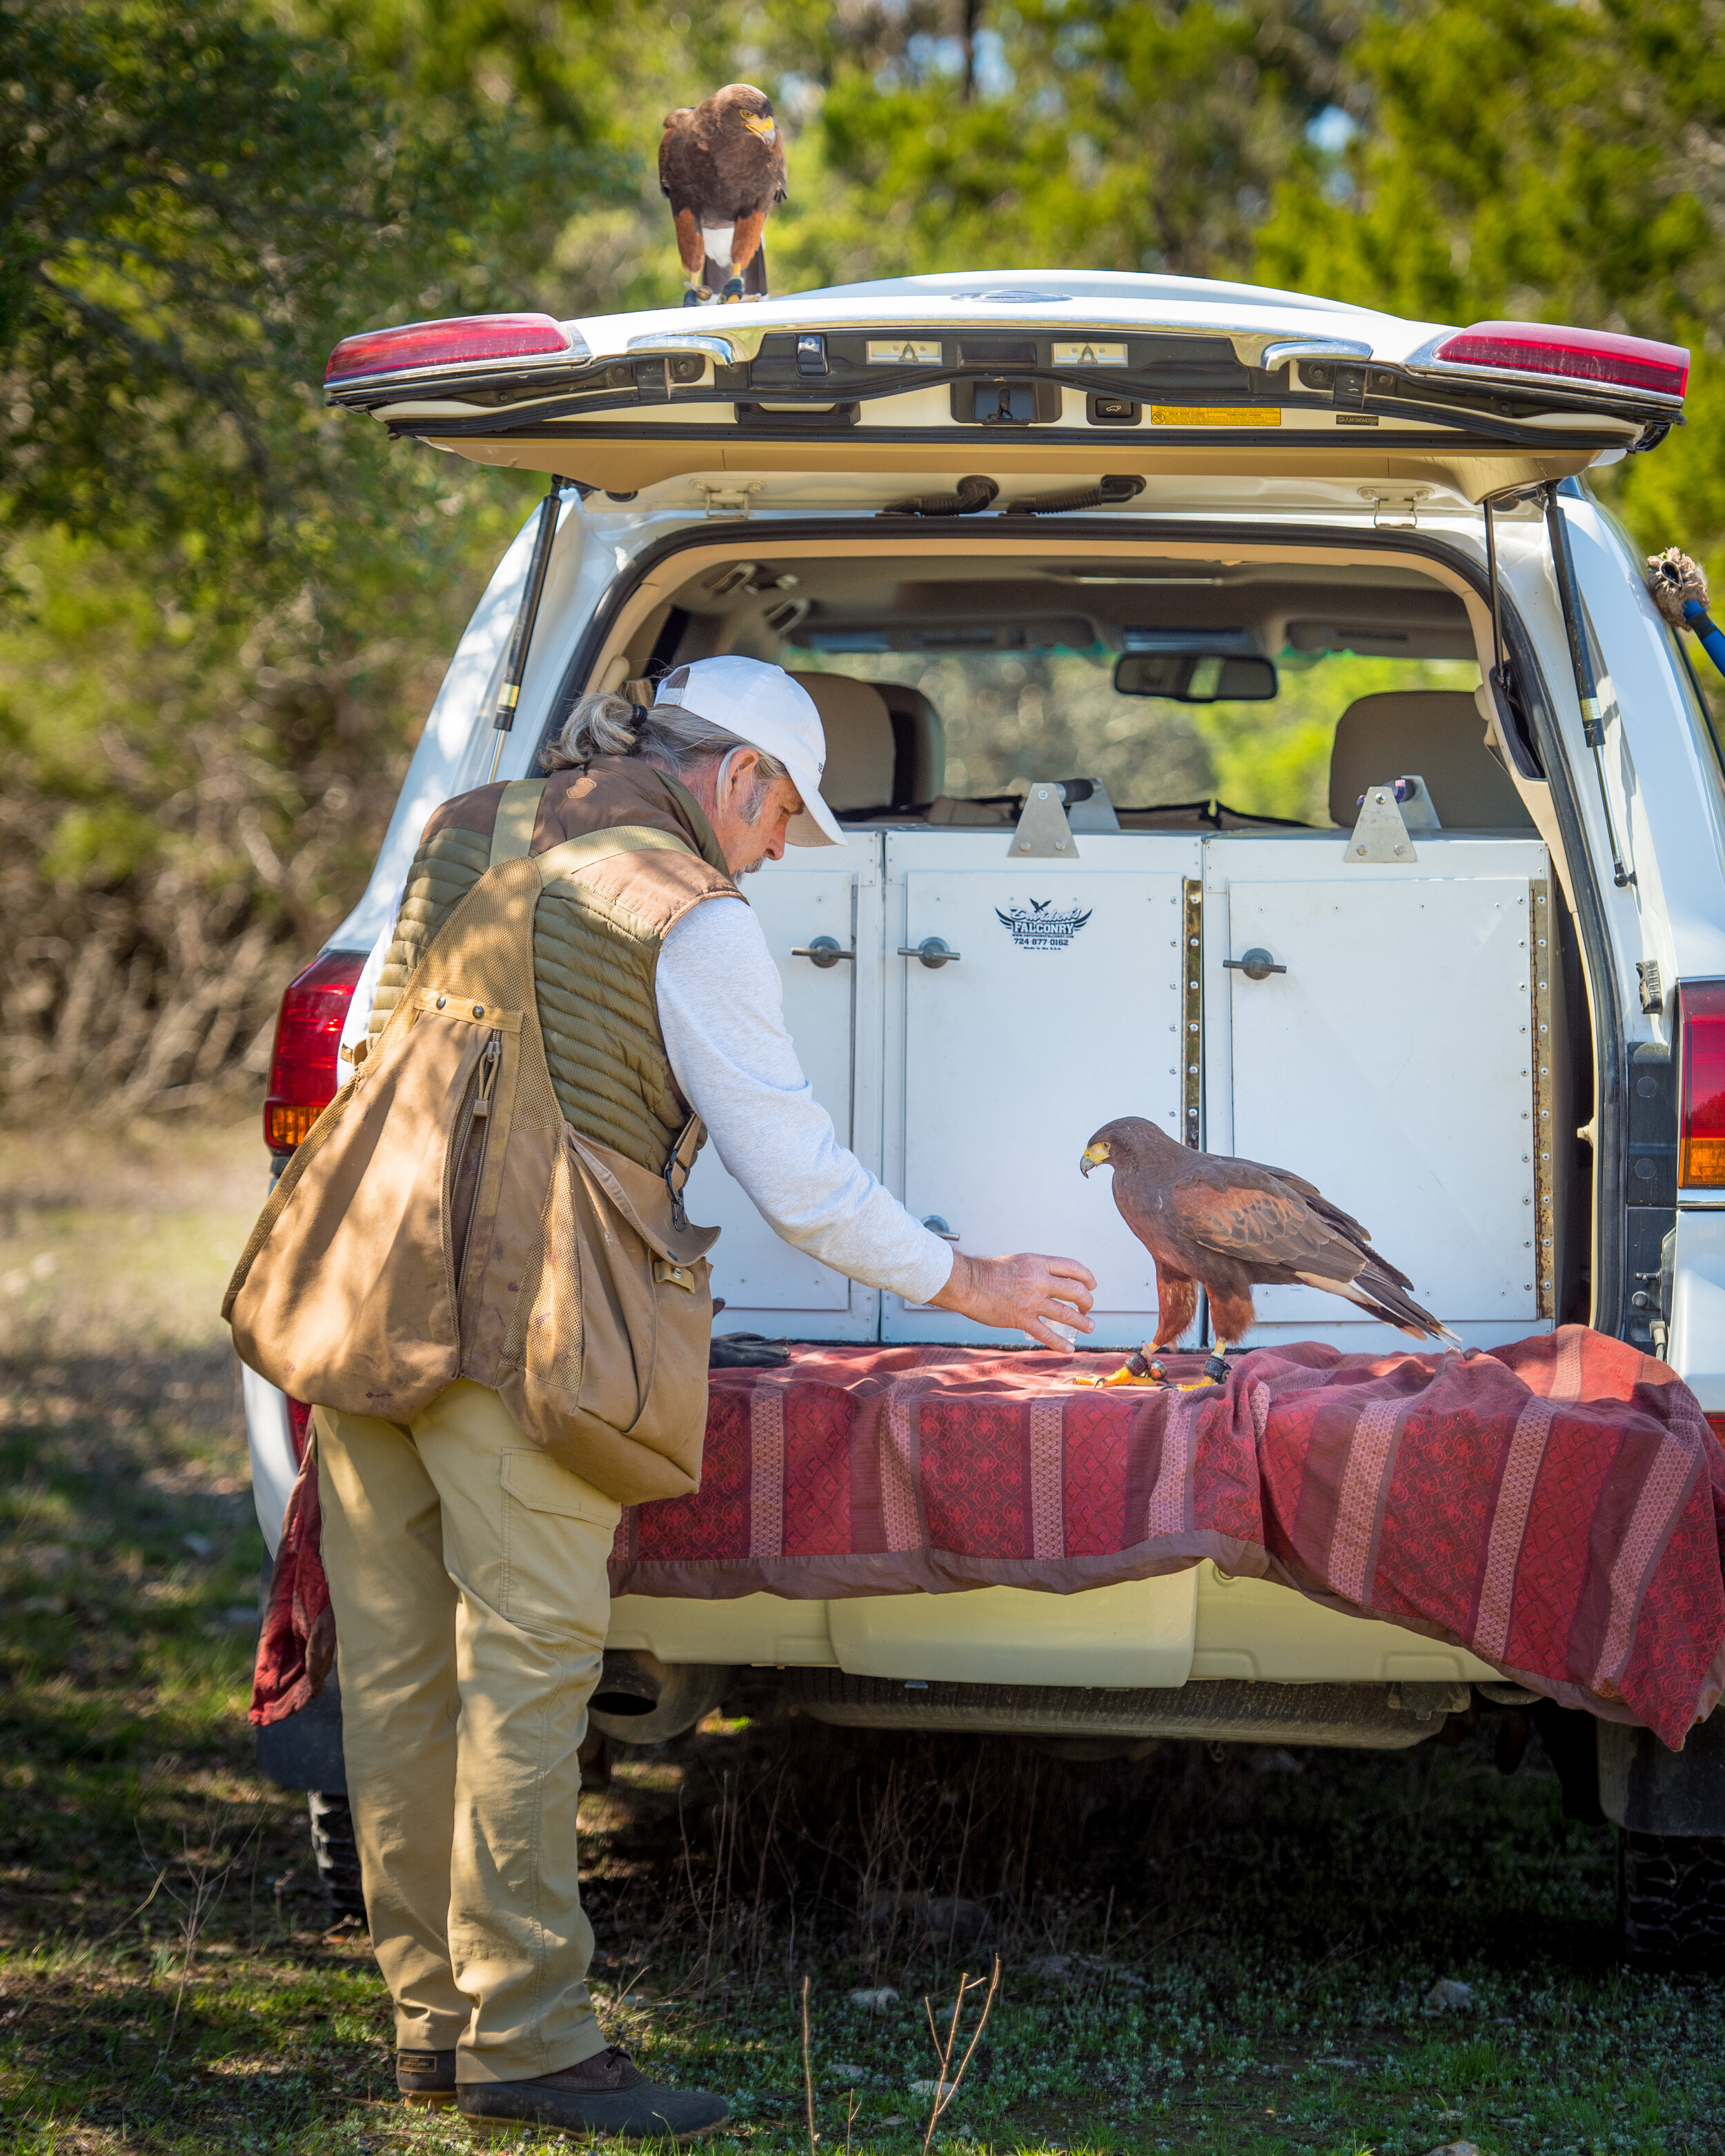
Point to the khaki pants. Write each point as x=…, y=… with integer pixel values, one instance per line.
x=468, y=1576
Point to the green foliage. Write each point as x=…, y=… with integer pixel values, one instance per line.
x=194, y=207
x=1531, y=159
x=190, y=796
x=1520, y=153
x=580, y=72
x=1105, y=134
x=224, y=603
x=223, y=607
x=1677, y=498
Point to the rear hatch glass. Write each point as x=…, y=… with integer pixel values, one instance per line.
x=1011, y=717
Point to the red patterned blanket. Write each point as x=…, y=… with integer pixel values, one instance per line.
x=1556, y=1507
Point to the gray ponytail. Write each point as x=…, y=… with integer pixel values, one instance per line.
x=663, y=735
x=605, y=725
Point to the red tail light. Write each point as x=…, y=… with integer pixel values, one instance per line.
x=304, y=1066
x=1601, y=355
x=449, y=343
x=1701, y=1129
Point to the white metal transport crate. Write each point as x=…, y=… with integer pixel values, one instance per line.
x=1397, y=1042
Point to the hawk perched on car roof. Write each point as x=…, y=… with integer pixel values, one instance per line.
x=722, y=169
x=1228, y=1225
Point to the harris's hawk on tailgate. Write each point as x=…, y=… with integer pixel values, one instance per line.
x=1229, y=1225
x=722, y=169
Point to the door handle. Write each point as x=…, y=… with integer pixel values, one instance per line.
x=824, y=951
x=1257, y=965
x=932, y=951
x=937, y=1226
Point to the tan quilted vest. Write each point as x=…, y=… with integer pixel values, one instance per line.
x=443, y=1218
x=596, y=939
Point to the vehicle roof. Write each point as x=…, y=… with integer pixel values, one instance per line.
x=1251, y=314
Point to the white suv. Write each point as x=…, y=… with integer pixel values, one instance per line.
x=1127, y=601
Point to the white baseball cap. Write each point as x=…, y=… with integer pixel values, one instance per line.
x=761, y=706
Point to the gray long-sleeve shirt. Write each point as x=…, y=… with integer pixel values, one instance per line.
x=721, y=1010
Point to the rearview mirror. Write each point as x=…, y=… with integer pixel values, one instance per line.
x=1189, y=677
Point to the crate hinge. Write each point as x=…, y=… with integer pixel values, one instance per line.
x=1192, y=1014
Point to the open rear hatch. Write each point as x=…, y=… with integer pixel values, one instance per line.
x=940, y=399
x=1109, y=381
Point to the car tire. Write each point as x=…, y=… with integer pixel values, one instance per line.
x=1671, y=1901
x=336, y=1854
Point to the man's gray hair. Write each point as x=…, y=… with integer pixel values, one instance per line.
x=664, y=734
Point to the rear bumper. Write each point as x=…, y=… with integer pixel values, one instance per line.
x=1198, y=1626
x=271, y=1445
x=1696, y=1347
x=1367, y=1717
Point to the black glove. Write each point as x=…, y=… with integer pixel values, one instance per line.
x=745, y=1350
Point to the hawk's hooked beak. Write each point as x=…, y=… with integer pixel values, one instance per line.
x=766, y=129
x=1094, y=1155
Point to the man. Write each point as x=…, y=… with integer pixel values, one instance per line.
x=466, y=1565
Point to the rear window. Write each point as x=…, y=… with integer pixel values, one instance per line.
x=1013, y=717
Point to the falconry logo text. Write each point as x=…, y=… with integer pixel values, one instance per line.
x=1038, y=927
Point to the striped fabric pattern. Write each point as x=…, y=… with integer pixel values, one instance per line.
x=1556, y=1506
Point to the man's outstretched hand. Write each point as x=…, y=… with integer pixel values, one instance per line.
x=1025, y=1291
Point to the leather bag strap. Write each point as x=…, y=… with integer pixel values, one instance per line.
x=679, y=1162
x=517, y=812
x=570, y=856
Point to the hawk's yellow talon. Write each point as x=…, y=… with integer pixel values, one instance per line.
x=1136, y=1370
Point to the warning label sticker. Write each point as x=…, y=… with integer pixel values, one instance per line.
x=1215, y=415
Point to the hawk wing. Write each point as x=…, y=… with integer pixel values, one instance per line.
x=1344, y=1223
x=677, y=182
x=1260, y=1225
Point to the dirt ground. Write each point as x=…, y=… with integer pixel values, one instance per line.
x=1210, y=1950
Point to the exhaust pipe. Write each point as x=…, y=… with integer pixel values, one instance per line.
x=640, y=1700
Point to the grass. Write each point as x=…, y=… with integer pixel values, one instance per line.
x=1229, y=1954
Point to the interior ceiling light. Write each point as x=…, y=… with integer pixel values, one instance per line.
x=1197, y=573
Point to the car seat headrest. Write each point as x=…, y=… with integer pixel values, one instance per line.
x=920, y=742
x=859, y=740
x=1436, y=733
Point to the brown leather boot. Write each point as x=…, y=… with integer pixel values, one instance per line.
x=426, y=2077
x=606, y=2094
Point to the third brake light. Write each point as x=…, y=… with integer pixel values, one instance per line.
x=1602, y=356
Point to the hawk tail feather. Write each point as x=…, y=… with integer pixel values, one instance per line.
x=1373, y=1291
x=1390, y=1302
x=1352, y=1231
